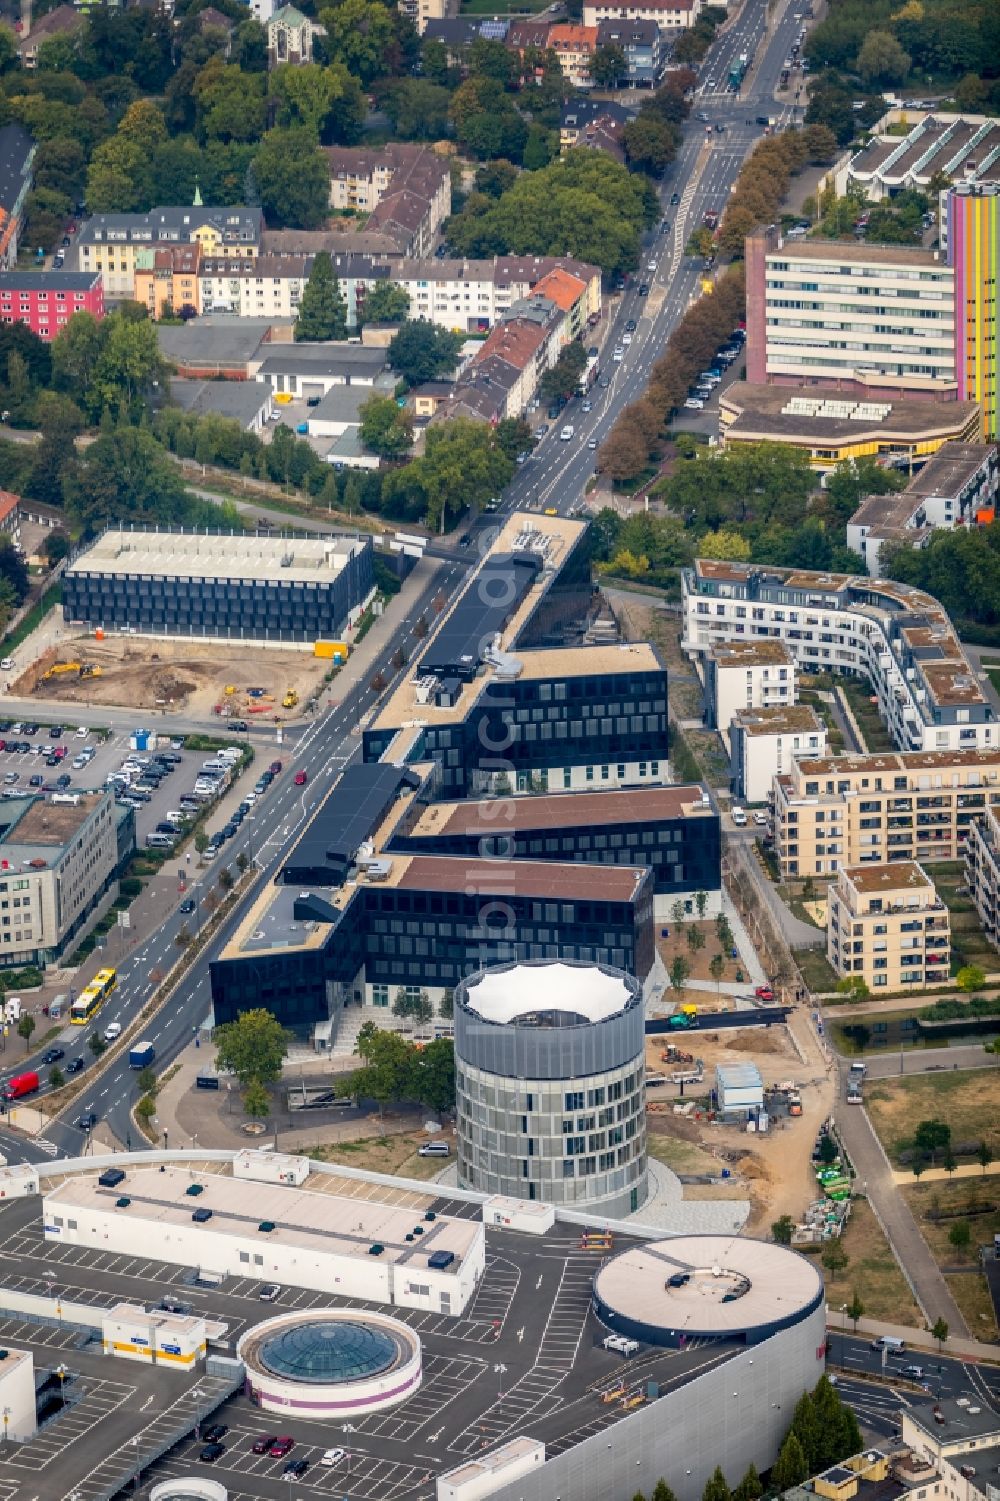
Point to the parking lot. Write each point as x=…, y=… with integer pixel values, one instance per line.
x=19, y=769
x=527, y=1351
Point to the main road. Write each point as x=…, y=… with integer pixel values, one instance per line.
x=554, y=476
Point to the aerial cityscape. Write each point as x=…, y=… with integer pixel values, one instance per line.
x=500, y=760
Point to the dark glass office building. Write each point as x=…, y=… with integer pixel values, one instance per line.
x=218, y=585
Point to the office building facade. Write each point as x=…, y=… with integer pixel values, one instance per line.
x=218, y=586
x=550, y=1085
x=973, y=219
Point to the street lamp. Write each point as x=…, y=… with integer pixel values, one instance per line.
x=500, y=1371
x=6, y=1419
x=61, y=1372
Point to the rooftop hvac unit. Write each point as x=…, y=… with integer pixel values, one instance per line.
x=379, y=870
x=424, y=688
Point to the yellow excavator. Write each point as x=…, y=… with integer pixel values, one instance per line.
x=290, y=699
x=82, y=670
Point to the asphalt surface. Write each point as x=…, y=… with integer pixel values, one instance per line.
x=555, y=475
x=876, y=1385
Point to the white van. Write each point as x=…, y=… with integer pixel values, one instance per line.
x=566, y=433
x=7, y=664
x=888, y=1342
x=112, y=1031
x=435, y=1149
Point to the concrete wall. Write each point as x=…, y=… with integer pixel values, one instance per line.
x=729, y=1416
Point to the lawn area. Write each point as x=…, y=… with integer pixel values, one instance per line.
x=981, y=1198
x=382, y=1154
x=876, y=736
x=680, y=1155
x=968, y=1101
x=815, y=969
x=873, y=1271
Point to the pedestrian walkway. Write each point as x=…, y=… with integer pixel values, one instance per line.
x=955, y=1346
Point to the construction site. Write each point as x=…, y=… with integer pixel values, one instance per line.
x=198, y=679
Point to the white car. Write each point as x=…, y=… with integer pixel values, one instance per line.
x=82, y=732
x=626, y=339
x=566, y=433
x=591, y=442
x=760, y=818
x=694, y=403
x=739, y=817
x=112, y=1031
x=333, y=1457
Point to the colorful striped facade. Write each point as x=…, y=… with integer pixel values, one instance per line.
x=973, y=243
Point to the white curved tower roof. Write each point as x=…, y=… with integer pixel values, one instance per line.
x=521, y=990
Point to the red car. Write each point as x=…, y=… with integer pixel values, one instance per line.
x=275, y=768
x=301, y=778
x=281, y=1446
x=262, y=1445
x=764, y=993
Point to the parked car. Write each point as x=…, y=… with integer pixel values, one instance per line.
x=211, y=1452
x=263, y=1444
x=764, y=993
x=215, y=1431
x=281, y=1447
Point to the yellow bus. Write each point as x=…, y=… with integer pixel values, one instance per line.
x=90, y=999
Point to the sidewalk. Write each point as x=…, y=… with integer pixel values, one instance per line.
x=955, y=1347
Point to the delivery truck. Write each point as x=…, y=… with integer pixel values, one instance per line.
x=20, y=1085
x=141, y=1055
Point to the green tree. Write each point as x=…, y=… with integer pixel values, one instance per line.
x=679, y=971
x=855, y=987
x=834, y=1258
x=253, y=1046
x=960, y=1235
x=386, y=1069
x=128, y=368
x=305, y=94
x=970, y=978
x=563, y=378
x=125, y=475
x=725, y=546
x=716, y=1488
x=418, y=109
x=25, y=1028
x=650, y=143
x=717, y=968
x=931, y=1136
x=462, y=467
x=322, y=311
x=230, y=104
x=256, y=1100
x=608, y=65
x=855, y=1310
x=97, y=1044
x=386, y=428
x=432, y=1074
x=939, y=1329
x=750, y=1487
x=56, y=1077
x=782, y=1230
x=828, y=1153
x=385, y=303
x=695, y=940
x=360, y=34
x=201, y=841
x=790, y=1467
x=984, y=1156
x=146, y=1080
x=293, y=177
x=422, y=351
x=882, y=59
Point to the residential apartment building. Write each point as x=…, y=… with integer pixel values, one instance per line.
x=982, y=871
x=763, y=743
x=405, y=190
x=594, y=122
x=959, y=148
x=470, y=296
x=747, y=675
x=420, y=12
x=830, y=430
x=57, y=861
x=269, y=286
x=860, y=810
x=668, y=15
x=507, y=369
x=897, y=637
x=17, y=154
x=645, y=48
x=64, y=20
x=574, y=46
x=887, y=924
x=111, y=243
x=167, y=279
x=874, y=321
x=956, y=487
x=46, y=300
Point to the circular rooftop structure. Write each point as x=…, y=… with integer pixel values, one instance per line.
x=714, y=1287
x=331, y=1362
x=549, y=994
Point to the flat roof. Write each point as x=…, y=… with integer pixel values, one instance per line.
x=961, y=1419
x=157, y=1318
x=542, y=878
x=348, y=817
x=39, y=830
x=858, y=254
x=579, y=661
x=553, y=538
x=587, y=992
x=898, y=875
x=897, y=761
x=782, y=719
x=749, y=653
x=771, y=1283
x=304, y=1217
x=759, y=410
x=213, y=555
x=563, y=810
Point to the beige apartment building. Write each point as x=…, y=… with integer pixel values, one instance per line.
x=837, y=811
x=982, y=872
x=887, y=924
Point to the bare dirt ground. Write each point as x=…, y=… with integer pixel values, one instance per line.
x=698, y=960
x=775, y=1170
x=174, y=675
